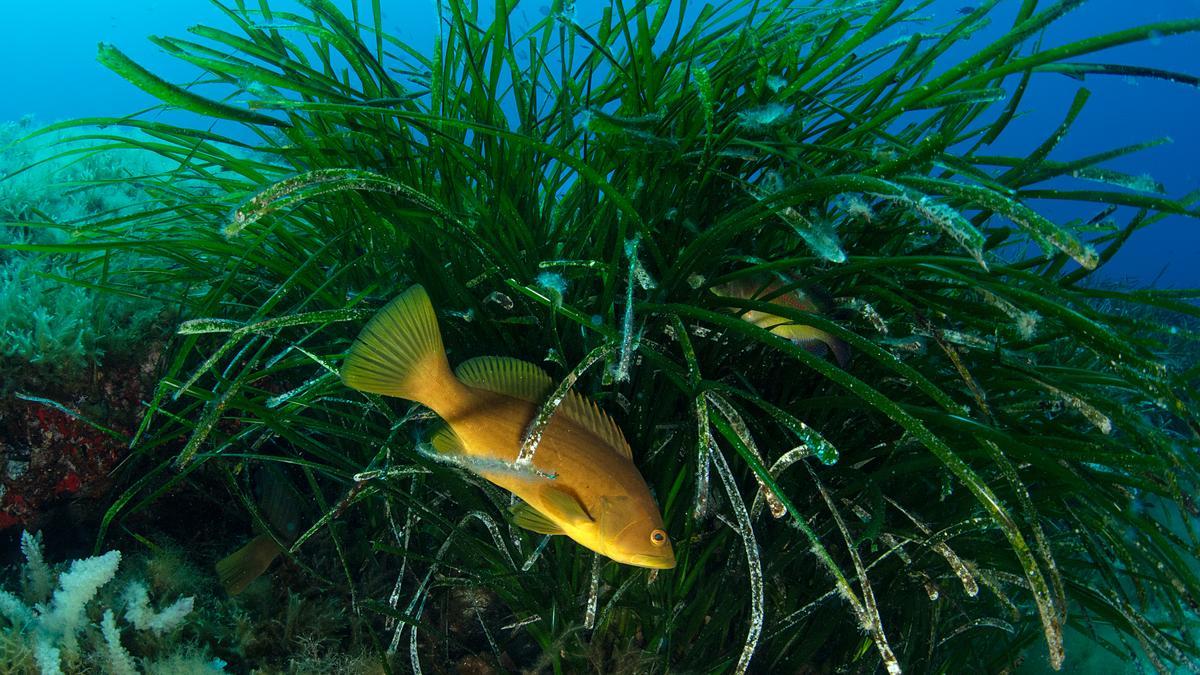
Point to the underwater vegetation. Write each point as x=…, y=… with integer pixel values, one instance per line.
x=87, y=353
x=49, y=187
x=992, y=452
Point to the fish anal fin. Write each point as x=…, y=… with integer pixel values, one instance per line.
x=527, y=382
x=529, y=518
x=446, y=442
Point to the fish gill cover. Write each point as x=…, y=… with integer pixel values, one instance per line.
x=1008, y=454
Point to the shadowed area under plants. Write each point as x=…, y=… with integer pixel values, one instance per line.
x=1006, y=452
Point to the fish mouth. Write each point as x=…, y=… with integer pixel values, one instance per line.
x=654, y=562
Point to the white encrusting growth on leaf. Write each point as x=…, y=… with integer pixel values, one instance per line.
x=948, y=219
x=764, y=117
x=1026, y=321
x=818, y=233
x=478, y=464
x=703, y=460
x=537, y=553
x=785, y=460
x=1091, y=413
x=417, y=604
x=537, y=426
x=867, y=612
x=943, y=549
x=589, y=616
x=620, y=371
x=753, y=561
x=499, y=300
x=739, y=427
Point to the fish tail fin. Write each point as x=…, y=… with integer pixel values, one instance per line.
x=246, y=564
x=841, y=351
x=399, y=353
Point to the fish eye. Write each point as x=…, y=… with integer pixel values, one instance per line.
x=658, y=537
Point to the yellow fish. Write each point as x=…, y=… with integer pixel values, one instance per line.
x=808, y=337
x=582, y=481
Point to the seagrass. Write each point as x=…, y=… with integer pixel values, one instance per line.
x=1009, y=451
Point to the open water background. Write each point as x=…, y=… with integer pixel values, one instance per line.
x=48, y=49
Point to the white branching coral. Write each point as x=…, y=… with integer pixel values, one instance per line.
x=60, y=622
x=120, y=662
x=37, y=572
x=52, y=624
x=139, y=613
x=48, y=621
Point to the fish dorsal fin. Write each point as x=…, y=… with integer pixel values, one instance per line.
x=530, y=518
x=588, y=415
x=523, y=380
x=504, y=375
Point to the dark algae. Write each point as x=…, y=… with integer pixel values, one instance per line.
x=892, y=416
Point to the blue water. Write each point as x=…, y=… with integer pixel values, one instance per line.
x=49, y=48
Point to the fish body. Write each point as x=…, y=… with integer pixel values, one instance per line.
x=805, y=336
x=581, y=482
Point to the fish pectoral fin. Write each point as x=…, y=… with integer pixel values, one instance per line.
x=564, y=505
x=530, y=518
